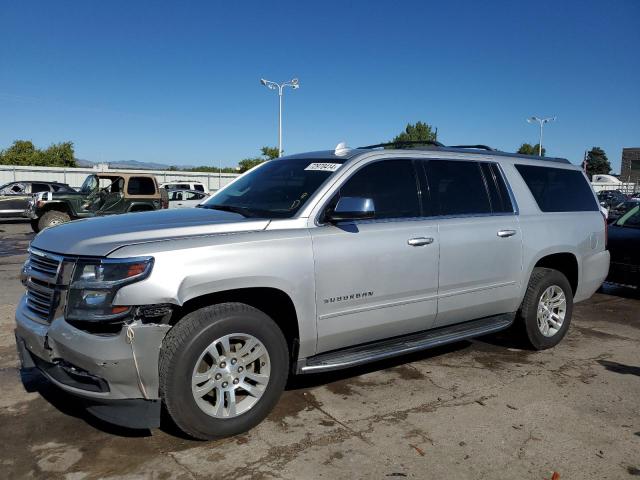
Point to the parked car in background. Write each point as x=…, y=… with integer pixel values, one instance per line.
x=619, y=210
x=624, y=247
x=185, y=198
x=100, y=194
x=15, y=196
x=185, y=185
x=610, y=198
x=307, y=263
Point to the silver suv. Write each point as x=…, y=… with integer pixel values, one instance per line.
x=307, y=263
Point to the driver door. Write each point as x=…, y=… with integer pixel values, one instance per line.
x=377, y=278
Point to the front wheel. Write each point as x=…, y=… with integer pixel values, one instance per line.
x=52, y=218
x=222, y=370
x=546, y=310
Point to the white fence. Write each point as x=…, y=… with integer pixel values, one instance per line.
x=75, y=176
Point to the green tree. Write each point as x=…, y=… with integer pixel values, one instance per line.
x=59, y=154
x=249, y=163
x=268, y=153
x=528, y=149
x=597, y=162
x=419, y=131
x=23, y=152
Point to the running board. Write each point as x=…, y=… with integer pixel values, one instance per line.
x=387, y=348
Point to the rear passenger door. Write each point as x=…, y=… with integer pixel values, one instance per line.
x=377, y=278
x=480, y=240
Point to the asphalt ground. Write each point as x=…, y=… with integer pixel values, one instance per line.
x=484, y=409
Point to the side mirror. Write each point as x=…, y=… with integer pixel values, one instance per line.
x=352, y=208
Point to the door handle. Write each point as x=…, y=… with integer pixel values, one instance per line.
x=419, y=241
x=506, y=233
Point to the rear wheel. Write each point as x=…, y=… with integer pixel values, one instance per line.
x=546, y=310
x=222, y=370
x=52, y=218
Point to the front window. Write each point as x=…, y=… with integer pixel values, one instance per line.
x=277, y=189
x=90, y=184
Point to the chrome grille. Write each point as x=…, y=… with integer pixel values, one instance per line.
x=42, y=272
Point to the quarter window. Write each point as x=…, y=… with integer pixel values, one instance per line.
x=558, y=189
x=141, y=186
x=457, y=188
x=391, y=184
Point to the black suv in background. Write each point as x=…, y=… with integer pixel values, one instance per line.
x=15, y=196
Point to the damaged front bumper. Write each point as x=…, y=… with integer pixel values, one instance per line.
x=117, y=374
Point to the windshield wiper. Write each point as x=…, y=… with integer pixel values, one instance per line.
x=245, y=212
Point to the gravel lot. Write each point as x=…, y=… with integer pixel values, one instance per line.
x=481, y=409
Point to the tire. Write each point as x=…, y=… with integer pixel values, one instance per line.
x=52, y=218
x=34, y=225
x=181, y=356
x=545, y=280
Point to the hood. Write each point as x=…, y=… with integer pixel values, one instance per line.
x=100, y=236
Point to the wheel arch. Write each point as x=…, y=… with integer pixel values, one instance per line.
x=139, y=207
x=565, y=262
x=274, y=302
x=63, y=207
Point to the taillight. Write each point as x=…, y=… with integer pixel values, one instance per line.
x=606, y=231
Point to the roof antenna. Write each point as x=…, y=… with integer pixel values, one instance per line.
x=341, y=149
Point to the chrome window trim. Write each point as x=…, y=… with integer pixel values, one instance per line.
x=342, y=181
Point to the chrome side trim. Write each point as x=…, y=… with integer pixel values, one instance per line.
x=452, y=293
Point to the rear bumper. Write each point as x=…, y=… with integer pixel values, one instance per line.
x=594, y=270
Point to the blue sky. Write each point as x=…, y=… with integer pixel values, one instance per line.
x=178, y=82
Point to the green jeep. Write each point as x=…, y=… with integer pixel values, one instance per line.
x=100, y=194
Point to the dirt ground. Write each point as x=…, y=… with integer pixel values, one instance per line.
x=483, y=409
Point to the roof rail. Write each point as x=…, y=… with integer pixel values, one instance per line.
x=478, y=147
x=453, y=148
x=405, y=142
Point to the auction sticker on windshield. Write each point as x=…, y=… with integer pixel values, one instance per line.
x=323, y=167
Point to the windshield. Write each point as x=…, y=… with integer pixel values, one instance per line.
x=277, y=189
x=90, y=184
x=630, y=219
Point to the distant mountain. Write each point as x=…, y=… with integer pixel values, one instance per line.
x=130, y=164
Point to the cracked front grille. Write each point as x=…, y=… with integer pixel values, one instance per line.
x=43, y=274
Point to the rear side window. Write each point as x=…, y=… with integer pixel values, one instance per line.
x=141, y=186
x=558, y=190
x=39, y=187
x=198, y=187
x=457, y=188
x=392, y=186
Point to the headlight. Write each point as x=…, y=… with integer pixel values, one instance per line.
x=95, y=283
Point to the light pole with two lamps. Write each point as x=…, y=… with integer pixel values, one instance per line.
x=280, y=87
x=541, y=121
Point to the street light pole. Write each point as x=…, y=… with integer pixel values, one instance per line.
x=280, y=87
x=540, y=121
